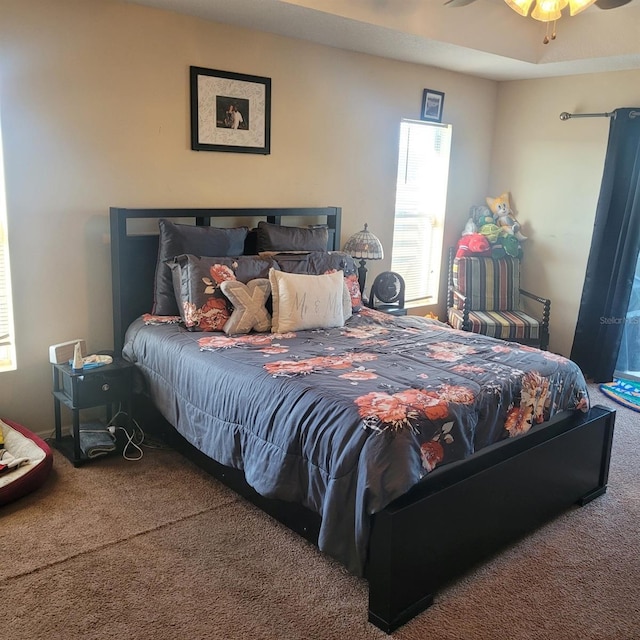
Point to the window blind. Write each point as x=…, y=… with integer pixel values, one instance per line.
x=7, y=338
x=421, y=193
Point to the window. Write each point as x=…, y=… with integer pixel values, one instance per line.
x=421, y=195
x=7, y=341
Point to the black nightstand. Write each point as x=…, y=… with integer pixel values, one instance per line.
x=100, y=386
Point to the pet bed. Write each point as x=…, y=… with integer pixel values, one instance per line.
x=22, y=443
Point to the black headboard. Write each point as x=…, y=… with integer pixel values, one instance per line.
x=134, y=253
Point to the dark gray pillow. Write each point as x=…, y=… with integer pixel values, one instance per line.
x=177, y=239
x=275, y=237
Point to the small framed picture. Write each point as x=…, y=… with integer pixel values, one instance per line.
x=230, y=111
x=432, y=102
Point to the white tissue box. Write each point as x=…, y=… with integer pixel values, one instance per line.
x=63, y=352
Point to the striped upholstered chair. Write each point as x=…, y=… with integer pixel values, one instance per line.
x=485, y=297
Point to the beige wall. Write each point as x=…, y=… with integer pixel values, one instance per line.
x=553, y=169
x=95, y=113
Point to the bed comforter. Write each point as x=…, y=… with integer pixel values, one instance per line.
x=346, y=420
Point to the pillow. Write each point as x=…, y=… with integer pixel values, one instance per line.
x=303, y=301
x=196, y=281
x=275, y=237
x=248, y=300
x=319, y=262
x=177, y=239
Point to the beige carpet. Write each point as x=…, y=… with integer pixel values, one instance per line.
x=157, y=549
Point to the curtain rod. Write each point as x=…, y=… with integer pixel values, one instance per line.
x=566, y=116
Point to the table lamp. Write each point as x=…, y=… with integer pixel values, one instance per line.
x=363, y=245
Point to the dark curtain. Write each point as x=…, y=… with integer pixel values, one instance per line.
x=614, y=252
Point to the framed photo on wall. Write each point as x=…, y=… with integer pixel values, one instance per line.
x=230, y=111
x=432, y=103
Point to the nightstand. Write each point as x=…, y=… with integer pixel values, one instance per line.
x=108, y=385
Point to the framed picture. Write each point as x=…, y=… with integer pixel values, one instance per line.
x=230, y=112
x=432, y=102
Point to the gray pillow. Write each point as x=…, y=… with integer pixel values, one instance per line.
x=248, y=301
x=178, y=239
x=275, y=237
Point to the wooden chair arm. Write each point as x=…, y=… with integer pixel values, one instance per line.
x=546, y=312
x=533, y=296
x=466, y=324
x=460, y=296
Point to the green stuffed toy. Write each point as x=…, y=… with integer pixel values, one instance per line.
x=511, y=245
x=491, y=232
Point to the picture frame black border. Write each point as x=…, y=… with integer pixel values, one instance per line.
x=196, y=145
x=425, y=95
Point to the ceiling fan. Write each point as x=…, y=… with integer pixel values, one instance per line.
x=549, y=11
x=602, y=4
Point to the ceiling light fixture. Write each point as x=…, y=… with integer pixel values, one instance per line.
x=549, y=11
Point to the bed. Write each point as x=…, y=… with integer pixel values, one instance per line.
x=406, y=450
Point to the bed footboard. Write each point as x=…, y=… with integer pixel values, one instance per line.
x=460, y=515
x=468, y=512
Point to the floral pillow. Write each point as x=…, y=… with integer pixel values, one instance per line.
x=197, y=280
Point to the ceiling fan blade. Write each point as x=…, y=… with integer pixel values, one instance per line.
x=611, y=4
x=462, y=3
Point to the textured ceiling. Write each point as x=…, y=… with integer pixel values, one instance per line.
x=485, y=38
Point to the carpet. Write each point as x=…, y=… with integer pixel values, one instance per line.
x=625, y=392
x=158, y=550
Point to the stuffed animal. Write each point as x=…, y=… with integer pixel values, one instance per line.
x=481, y=215
x=474, y=244
x=491, y=231
x=511, y=245
x=503, y=215
x=469, y=228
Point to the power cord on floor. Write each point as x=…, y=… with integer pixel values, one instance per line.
x=135, y=437
x=135, y=440
x=132, y=449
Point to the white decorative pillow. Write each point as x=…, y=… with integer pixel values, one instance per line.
x=302, y=301
x=248, y=300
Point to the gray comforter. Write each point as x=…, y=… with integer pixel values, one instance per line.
x=348, y=419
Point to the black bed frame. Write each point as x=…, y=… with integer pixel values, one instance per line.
x=459, y=515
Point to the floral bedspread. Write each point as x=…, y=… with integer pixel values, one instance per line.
x=346, y=420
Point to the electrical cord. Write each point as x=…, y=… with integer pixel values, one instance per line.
x=134, y=440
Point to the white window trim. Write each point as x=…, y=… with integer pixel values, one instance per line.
x=421, y=194
x=7, y=330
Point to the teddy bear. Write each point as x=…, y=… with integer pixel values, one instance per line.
x=503, y=215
